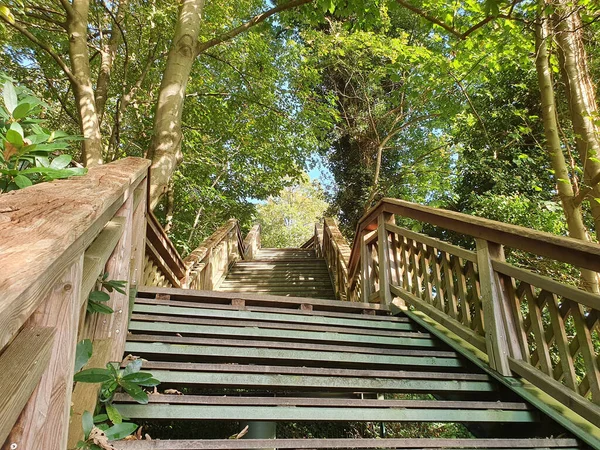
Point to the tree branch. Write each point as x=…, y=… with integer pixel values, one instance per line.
x=203, y=46
x=43, y=46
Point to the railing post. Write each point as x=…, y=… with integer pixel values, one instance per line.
x=383, y=250
x=365, y=291
x=493, y=306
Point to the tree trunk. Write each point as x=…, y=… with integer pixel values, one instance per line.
x=581, y=96
x=109, y=50
x=575, y=225
x=77, y=27
x=165, y=150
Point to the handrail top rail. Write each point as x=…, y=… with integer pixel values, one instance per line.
x=561, y=248
x=201, y=252
x=46, y=226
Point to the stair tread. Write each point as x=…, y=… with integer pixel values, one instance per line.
x=349, y=443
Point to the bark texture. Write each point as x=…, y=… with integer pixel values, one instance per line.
x=582, y=100
x=77, y=27
x=573, y=215
x=165, y=150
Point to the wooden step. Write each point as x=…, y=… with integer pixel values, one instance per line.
x=162, y=347
x=282, y=409
x=214, y=322
x=165, y=325
x=400, y=444
x=278, y=379
x=223, y=298
x=189, y=309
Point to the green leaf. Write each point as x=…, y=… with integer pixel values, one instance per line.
x=100, y=418
x=83, y=353
x=136, y=392
x=133, y=367
x=21, y=111
x=93, y=376
x=60, y=162
x=113, y=414
x=9, y=94
x=138, y=377
x=149, y=382
x=16, y=126
x=87, y=421
x=99, y=296
x=22, y=181
x=14, y=138
x=120, y=430
x=100, y=308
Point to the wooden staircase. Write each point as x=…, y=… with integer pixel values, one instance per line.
x=241, y=357
x=285, y=271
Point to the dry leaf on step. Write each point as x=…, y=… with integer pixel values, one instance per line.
x=98, y=437
x=172, y=392
x=241, y=434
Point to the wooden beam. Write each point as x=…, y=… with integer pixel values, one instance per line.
x=493, y=304
x=35, y=248
x=383, y=254
x=43, y=424
x=22, y=365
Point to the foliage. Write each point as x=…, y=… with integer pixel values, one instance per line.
x=288, y=219
x=98, y=298
x=108, y=423
x=30, y=153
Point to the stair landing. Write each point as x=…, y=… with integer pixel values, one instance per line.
x=281, y=271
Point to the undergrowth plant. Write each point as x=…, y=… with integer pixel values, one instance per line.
x=98, y=297
x=30, y=153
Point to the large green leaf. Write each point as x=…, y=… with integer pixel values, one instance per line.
x=136, y=392
x=99, y=296
x=83, y=353
x=120, y=431
x=133, y=367
x=60, y=162
x=22, y=181
x=10, y=96
x=113, y=414
x=21, y=110
x=87, y=422
x=95, y=375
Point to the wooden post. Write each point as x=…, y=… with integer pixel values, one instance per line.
x=44, y=421
x=365, y=270
x=491, y=298
x=383, y=250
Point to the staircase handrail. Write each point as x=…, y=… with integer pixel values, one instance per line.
x=209, y=263
x=57, y=238
x=252, y=242
x=333, y=247
x=516, y=318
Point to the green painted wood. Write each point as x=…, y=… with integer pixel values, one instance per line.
x=137, y=348
x=417, y=340
x=329, y=414
x=512, y=383
x=409, y=443
x=272, y=317
x=279, y=381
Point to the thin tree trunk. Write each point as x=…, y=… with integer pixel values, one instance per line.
x=109, y=50
x=575, y=225
x=165, y=150
x=582, y=99
x=77, y=28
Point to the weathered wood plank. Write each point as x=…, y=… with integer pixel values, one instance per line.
x=327, y=402
x=44, y=421
x=296, y=316
x=330, y=414
x=334, y=384
x=37, y=215
x=22, y=365
x=415, y=339
x=308, y=356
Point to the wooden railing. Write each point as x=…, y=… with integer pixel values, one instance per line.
x=527, y=324
x=331, y=245
x=56, y=240
x=210, y=262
